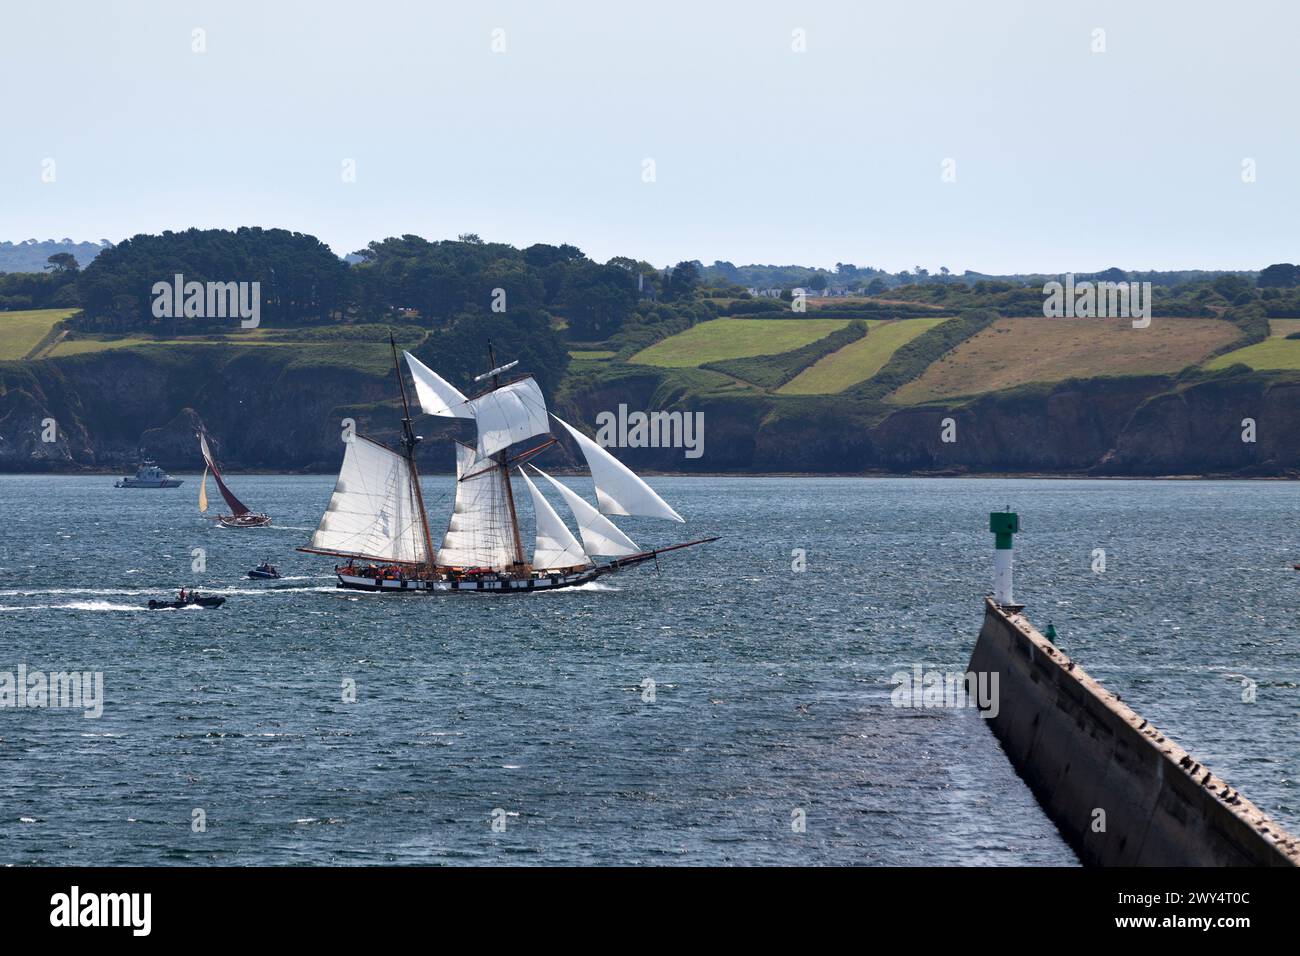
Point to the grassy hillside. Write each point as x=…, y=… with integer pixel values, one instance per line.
x=1014, y=352
x=772, y=371
x=857, y=361
x=720, y=339
x=20, y=332
x=1277, y=352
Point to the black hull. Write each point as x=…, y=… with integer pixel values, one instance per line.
x=249, y=520
x=487, y=585
x=176, y=605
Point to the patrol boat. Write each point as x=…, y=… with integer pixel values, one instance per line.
x=148, y=475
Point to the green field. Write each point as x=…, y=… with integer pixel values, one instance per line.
x=591, y=354
x=80, y=346
x=720, y=339
x=859, y=360
x=1275, y=352
x=20, y=332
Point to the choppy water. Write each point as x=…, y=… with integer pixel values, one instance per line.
x=771, y=687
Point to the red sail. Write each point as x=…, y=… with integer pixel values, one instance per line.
x=236, y=506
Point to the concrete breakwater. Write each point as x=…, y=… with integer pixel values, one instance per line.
x=1121, y=792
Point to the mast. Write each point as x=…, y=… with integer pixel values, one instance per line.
x=409, y=441
x=503, y=462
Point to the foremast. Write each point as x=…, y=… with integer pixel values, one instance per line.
x=409, y=441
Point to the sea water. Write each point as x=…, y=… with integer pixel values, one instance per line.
x=732, y=705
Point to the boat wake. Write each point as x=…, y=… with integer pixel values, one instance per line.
x=589, y=586
x=73, y=606
x=150, y=592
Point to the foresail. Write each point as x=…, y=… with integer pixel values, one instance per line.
x=479, y=534
x=437, y=396
x=599, y=534
x=619, y=490
x=556, y=546
x=236, y=506
x=373, y=512
x=509, y=414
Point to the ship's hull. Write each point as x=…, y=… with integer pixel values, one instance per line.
x=502, y=585
x=465, y=585
x=137, y=483
x=249, y=520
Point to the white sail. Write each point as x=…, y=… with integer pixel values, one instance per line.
x=599, y=534
x=619, y=490
x=556, y=546
x=437, y=396
x=479, y=534
x=373, y=512
x=509, y=414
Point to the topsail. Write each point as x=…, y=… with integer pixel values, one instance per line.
x=437, y=396
x=509, y=414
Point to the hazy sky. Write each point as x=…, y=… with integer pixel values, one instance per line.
x=1064, y=158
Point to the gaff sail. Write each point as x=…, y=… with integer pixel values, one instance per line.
x=236, y=506
x=203, y=490
x=480, y=533
x=619, y=490
x=556, y=546
x=373, y=512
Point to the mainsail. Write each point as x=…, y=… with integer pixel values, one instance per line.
x=599, y=534
x=479, y=534
x=236, y=506
x=556, y=546
x=203, y=490
x=619, y=490
x=373, y=512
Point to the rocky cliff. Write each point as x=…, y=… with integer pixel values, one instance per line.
x=283, y=410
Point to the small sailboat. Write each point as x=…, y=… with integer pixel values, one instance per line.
x=240, y=516
x=376, y=517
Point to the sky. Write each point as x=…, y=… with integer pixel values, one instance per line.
x=989, y=136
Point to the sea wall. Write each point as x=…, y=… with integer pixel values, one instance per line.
x=1082, y=750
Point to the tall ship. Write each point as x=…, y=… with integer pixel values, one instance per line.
x=377, y=520
x=148, y=475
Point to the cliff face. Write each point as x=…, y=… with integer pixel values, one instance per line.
x=270, y=409
x=261, y=409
